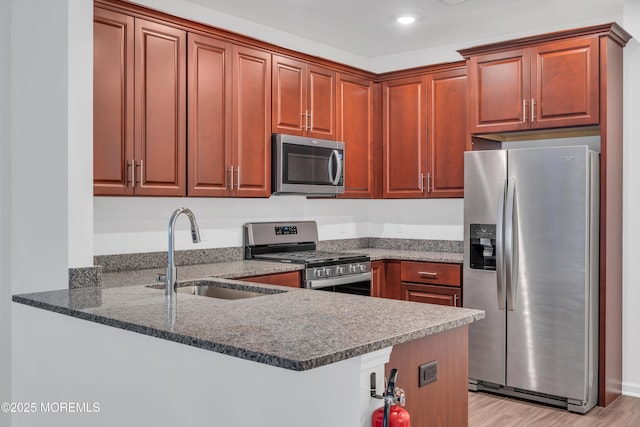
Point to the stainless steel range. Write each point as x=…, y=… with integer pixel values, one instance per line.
x=295, y=242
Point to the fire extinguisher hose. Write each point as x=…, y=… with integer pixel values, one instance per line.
x=389, y=397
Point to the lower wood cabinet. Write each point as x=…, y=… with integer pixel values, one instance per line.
x=431, y=282
x=443, y=402
x=291, y=279
x=442, y=295
x=377, y=278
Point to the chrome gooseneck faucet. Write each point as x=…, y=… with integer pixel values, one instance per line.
x=171, y=276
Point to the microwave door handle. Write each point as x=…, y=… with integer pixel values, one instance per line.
x=335, y=179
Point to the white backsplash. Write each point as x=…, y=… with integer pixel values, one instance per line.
x=132, y=225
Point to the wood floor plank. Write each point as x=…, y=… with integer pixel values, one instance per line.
x=487, y=410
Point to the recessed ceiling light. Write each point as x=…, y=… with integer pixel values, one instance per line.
x=406, y=19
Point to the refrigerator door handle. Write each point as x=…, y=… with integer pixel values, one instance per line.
x=502, y=189
x=510, y=238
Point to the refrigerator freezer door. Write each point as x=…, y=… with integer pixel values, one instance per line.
x=484, y=192
x=547, y=332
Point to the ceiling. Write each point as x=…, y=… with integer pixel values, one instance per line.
x=368, y=28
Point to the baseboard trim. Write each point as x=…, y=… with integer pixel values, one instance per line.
x=631, y=389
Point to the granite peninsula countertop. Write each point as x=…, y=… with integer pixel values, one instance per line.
x=291, y=328
x=296, y=329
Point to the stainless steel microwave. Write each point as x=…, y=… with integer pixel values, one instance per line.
x=309, y=166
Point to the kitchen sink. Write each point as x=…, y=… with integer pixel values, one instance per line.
x=213, y=291
x=221, y=290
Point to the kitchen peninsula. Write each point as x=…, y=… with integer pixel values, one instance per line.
x=291, y=356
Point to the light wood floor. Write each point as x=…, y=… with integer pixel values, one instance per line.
x=488, y=410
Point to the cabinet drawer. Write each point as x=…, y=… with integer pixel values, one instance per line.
x=431, y=272
x=441, y=295
x=291, y=279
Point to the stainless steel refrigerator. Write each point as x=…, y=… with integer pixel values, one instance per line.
x=531, y=263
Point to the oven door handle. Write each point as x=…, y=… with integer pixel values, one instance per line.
x=336, y=281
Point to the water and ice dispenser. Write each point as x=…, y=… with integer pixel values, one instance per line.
x=482, y=242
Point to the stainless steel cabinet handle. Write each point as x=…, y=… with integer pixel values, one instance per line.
x=455, y=300
x=231, y=173
x=306, y=119
x=429, y=182
x=141, y=181
x=524, y=110
x=310, y=120
x=133, y=173
x=533, y=110
x=500, y=245
x=238, y=181
x=421, y=186
x=429, y=274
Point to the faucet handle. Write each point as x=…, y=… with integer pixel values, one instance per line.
x=161, y=277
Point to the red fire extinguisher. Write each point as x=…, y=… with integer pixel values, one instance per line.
x=392, y=414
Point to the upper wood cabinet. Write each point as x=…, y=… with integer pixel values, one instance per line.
x=139, y=90
x=209, y=124
x=355, y=104
x=229, y=119
x=113, y=113
x=425, y=135
x=160, y=109
x=550, y=85
x=447, y=134
x=303, y=99
x=251, y=153
x=404, y=137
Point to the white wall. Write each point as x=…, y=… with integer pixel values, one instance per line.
x=631, y=204
x=5, y=210
x=130, y=225
x=79, y=122
x=138, y=380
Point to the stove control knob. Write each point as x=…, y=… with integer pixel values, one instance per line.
x=327, y=271
x=353, y=268
x=341, y=270
x=317, y=273
x=362, y=268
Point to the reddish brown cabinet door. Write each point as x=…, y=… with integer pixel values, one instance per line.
x=160, y=109
x=499, y=91
x=565, y=89
x=291, y=279
x=404, y=137
x=321, y=102
x=355, y=128
x=289, y=94
x=113, y=116
x=550, y=85
x=447, y=133
x=251, y=143
x=377, y=278
x=303, y=99
x=209, y=119
x=441, y=295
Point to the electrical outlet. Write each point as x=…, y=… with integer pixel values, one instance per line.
x=427, y=373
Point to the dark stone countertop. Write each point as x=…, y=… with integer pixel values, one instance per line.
x=295, y=329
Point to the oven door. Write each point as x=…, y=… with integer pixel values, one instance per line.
x=307, y=166
x=358, y=284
